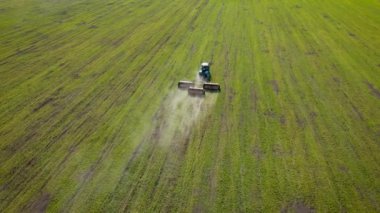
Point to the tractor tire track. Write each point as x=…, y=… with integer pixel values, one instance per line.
x=159, y=46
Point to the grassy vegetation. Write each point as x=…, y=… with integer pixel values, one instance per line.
x=85, y=88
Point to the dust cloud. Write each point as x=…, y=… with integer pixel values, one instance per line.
x=178, y=114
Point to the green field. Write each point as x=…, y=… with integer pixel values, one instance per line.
x=91, y=118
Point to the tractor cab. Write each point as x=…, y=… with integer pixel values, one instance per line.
x=205, y=71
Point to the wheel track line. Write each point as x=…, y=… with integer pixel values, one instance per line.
x=140, y=145
x=133, y=157
x=37, y=172
x=160, y=44
x=314, y=123
x=151, y=149
x=130, y=34
x=193, y=20
x=92, y=170
x=105, y=11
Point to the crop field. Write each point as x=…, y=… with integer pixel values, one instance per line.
x=91, y=119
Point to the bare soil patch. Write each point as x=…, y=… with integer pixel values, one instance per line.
x=301, y=122
x=313, y=115
x=48, y=100
x=198, y=208
x=254, y=99
x=43, y=103
x=351, y=34
x=40, y=204
x=270, y=113
x=275, y=86
x=373, y=89
x=257, y=152
x=343, y=169
x=337, y=80
x=311, y=52
x=298, y=207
